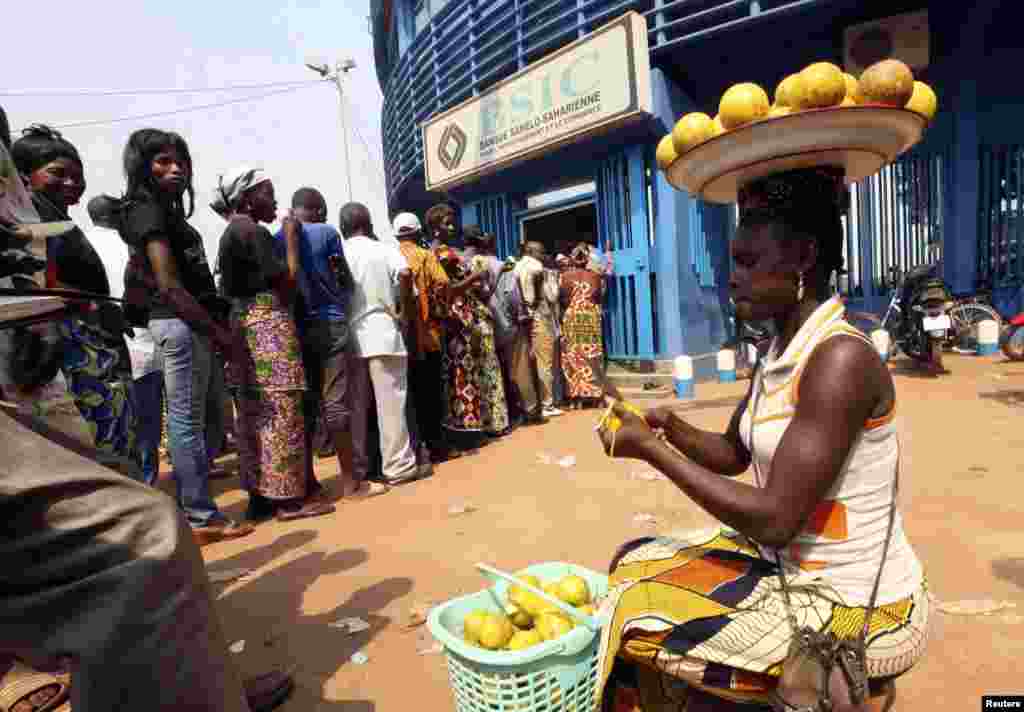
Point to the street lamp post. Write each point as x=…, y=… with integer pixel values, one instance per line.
x=341, y=69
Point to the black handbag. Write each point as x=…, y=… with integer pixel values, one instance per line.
x=819, y=669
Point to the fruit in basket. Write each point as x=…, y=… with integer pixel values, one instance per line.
x=495, y=632
x=692, y=130
x=553, y=625
x=823, y=85
x=666, y=152
x=526, y=600
x=923, y=101
x=523, y=639
x=889, y=82
x=741, y=104
x=779, y=110
x=472, y=624
x=790, y=92
x=574, y=591
x=519, y=617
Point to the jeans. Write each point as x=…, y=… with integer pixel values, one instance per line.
x=186, y=359
x=149, y=407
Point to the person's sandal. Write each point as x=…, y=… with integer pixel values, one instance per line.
x=221, y=531
x=312, y=507
x=367, y=490
x=22, y=684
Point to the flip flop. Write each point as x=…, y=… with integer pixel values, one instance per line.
x=314, y=508
x=21, y=682
x=229, y=530
x=366, y=491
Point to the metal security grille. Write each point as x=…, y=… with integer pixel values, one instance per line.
x=1001, y=215
x=895, y=223
x=622, y=221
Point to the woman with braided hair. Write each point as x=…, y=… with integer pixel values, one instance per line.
x=711, y=613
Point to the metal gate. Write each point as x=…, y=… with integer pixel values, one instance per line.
x=1001, y=216
x=622, y=224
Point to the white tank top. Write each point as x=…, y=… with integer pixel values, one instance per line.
x=843, y=539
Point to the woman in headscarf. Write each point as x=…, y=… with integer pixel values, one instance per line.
x=170, y=289
x=268, y=380
x=94, y=355
x=710, y=612
x=581, y=295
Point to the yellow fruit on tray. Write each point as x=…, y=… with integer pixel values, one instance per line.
x=496, y=632
x=889, y=82
x=741, y=104
x=778, y=110
x=691, y=130
x=519, y=617
x=848, y=101
x=851, y=88
x=666, y=153
x=472, y=625
x=523, y=639
x=716, y=123
x=553, y=625
x=824, y=85
x=923, y=101
x=574, y=590
x=790, y=92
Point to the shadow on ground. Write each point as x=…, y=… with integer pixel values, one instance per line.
x=1010, y=569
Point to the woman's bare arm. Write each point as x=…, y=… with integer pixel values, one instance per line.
x=830, y=414
x=165, y=269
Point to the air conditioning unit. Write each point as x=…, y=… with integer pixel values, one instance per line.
x=902, y=37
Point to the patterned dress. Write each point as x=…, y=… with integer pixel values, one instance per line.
x=582, y=340
x=268, y=390
x=98, y=374
x=493, y=406
x=459, y=368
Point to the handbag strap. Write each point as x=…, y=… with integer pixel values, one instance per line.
x=756, y=385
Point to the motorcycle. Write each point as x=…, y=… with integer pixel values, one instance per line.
x=917, y=318
x=1011, y=338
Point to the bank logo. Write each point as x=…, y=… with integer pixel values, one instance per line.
x=452, y=147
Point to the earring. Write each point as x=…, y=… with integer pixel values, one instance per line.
x=800, y=288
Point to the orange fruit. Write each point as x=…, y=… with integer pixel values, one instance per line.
x=665, y=154
x=889, y=82
x=824, y=85
x=691, y=130
x=790, y=92
x=741, y=104
x=923, y=101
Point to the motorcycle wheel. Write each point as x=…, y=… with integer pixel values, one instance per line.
x=1011, y=342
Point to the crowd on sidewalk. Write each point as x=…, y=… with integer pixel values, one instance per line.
x=391, y=357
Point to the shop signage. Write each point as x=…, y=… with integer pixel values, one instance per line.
x=596, y=83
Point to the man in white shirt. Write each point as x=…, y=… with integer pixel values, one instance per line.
x=378, y=367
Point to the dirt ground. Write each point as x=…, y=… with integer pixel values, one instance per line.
x=962, y=446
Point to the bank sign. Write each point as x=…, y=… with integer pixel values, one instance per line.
x=593, y=84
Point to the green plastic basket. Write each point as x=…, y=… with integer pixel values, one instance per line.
x=556, y=676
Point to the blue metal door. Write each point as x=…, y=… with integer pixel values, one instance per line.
x=622, y=223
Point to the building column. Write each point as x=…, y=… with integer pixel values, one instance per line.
x=689, y=316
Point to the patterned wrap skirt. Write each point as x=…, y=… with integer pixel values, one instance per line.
x=268, y=389
x=707, y=612
x=98, y=372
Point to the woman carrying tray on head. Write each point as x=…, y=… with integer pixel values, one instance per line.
x=710, y=611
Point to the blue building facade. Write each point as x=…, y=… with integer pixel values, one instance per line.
x=956, y=196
